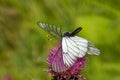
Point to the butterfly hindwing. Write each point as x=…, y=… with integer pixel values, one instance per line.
x=92, y=49
x=51, y=29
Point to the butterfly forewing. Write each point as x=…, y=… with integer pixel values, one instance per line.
x=72, y=49
x=51, y=29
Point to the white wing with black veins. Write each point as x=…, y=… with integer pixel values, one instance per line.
x=51, y=29
x=76, y=47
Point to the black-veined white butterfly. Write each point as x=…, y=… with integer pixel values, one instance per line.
x=73, y=47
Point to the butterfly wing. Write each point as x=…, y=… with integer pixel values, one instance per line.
x=51, y=29
x=76, y=47
x=73, y=48
x=92, y=49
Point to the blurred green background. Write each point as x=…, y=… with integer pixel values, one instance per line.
x=24, y=47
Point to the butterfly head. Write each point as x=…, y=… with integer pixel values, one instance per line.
x=64, y=34
x=69, y=34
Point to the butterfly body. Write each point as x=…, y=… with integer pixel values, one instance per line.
x=73, y=47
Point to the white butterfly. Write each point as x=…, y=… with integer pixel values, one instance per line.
x=73, y=47
x=76, y=47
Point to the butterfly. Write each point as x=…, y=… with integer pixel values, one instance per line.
x=73, y=47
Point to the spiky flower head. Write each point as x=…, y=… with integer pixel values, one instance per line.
x=59, y=71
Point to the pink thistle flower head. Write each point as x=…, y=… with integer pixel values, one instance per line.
x=59, y=70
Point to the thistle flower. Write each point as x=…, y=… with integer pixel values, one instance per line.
x=59, y=71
